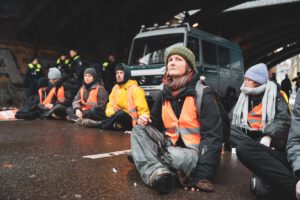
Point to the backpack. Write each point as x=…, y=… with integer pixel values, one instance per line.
x=224, y=115
x=28, y=112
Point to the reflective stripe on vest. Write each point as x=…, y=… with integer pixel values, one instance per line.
x=188, y=126
x=131, y=109
x=255, y=117
x=91, y=101
x=60, y=95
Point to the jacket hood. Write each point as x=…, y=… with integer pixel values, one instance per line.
x=126, y=69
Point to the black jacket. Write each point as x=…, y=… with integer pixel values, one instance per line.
x=211, y=127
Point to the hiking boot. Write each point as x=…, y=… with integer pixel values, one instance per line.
x=164, y=183
x=259, y=187
x=205, y=186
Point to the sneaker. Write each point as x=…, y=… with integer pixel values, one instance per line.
x=55, y=116
x=205, y=186
x=163, y=182
x=91, y=123
x=259, y=187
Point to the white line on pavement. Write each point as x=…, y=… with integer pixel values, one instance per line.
x=110, y=154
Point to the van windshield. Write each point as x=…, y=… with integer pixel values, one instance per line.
x=151, y=50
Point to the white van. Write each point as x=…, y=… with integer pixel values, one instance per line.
x=218, y=60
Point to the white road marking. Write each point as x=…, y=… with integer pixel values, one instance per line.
x=105, y=155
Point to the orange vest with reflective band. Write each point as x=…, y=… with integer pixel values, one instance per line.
x=130, y=104
x=255, y=117
x=188, y=126
x=60, y=95
x=91, y=101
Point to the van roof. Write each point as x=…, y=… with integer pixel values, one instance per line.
x=164, y=30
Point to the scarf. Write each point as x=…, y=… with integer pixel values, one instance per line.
x=240, y=112
x=177, y=85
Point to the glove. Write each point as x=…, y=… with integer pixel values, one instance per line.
x=266, y=140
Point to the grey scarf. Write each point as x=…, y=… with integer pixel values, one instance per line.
x=240, y=112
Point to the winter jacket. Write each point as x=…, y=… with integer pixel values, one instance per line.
x=293, y=143
x=67, y=93
x=102, y=96
x=122, y=96
x=210, y=130
x=277, y=130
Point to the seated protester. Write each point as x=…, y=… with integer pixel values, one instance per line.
x=90, y=101
x=176, y=140
x=126, y=102
x=54, y=99
x=260, y=118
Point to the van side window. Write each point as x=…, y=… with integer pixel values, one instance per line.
x=209, y=51
x=193, y=45
x=224, y=57
x=236, y=62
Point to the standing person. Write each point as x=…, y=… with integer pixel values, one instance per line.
x=76, y=67
x=108, y=72
x=260, y=118
x=126, y=102
x=90, y=101
x=286, y=86
x=62, y=63
x=54, y=99
x=32, y=75
x=297, y=80
x=175, y=140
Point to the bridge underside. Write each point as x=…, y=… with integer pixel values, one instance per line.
x=267, y=34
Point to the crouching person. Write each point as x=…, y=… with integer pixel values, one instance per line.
x=54, y=99
x=175, y=142
x=89, y=103
x=259, y=130
x=126, y=102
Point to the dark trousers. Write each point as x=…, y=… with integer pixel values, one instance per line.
x=272, y=166
x=96, y=113
x=120, y=117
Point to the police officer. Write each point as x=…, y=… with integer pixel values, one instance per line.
x=32, y=75
x=62, y=63
x=108, y=72
x=76, y=67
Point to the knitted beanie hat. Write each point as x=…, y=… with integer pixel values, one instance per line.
x=54, y=73
x=126, y=69
x=258, y=73
x=91, y=71
x=184, y=52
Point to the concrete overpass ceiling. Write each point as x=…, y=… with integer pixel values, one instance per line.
x=97, y=26
x=259, y=31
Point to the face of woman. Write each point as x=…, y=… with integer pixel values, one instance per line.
x=88, y=78
x=177, y=66
x=250, y=83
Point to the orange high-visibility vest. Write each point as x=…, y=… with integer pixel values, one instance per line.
x=187, y=126
x=131, y=109
x=60, y=95
x=255, y=117
x=91, y=101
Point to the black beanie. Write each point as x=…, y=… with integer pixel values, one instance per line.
x=126, y=69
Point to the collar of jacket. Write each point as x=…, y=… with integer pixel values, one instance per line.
x=128, y=84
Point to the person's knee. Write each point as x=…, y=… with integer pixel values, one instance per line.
x=243, y=149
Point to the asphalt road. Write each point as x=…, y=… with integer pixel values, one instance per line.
x=43, y=159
